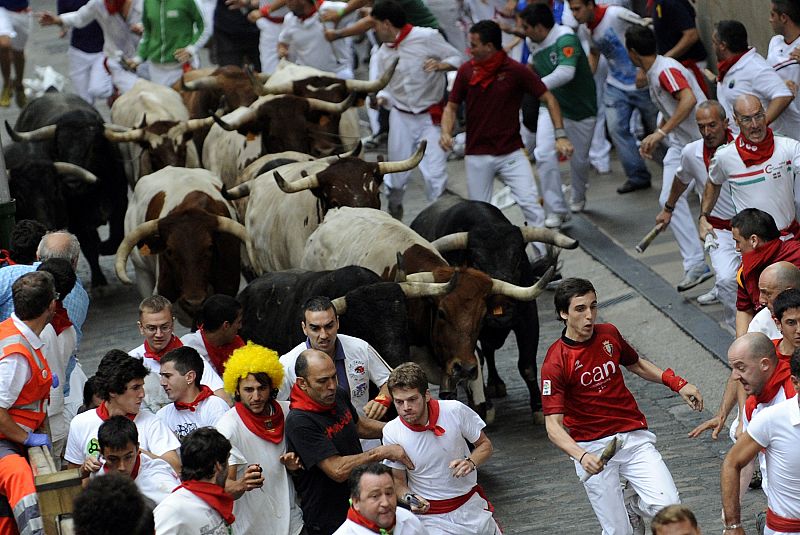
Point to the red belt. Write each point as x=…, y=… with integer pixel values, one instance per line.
x=435, y=111
x=446, y=506
x=22, y=10
x=779, y=523
x=719, y=223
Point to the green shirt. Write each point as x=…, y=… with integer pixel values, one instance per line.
x=168, y=26
x=418, y=14
x=577, y=97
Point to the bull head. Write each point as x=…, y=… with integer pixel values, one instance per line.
x=458, y=240
x=412, y=290
x=361, y=86
x=499, y=287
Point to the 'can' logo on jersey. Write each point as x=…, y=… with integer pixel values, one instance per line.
x=608, y=347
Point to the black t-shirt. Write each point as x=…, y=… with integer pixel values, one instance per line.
x=316, y=437
x=670, y=19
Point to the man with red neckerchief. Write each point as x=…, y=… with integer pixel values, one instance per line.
x=194, y=404
x=443, y=487
x=587, y=406
x=255, y=427
x=200, y=504
x=374, y=507
x=218, y=334
x=323, y=429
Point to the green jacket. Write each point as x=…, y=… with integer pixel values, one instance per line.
x=168, y=26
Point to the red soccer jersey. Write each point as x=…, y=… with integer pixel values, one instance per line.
x=583, y=381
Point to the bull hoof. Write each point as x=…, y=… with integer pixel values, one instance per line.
x=538, y=418
x=496, y=390
x=490, y=414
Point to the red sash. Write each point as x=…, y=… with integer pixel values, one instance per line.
x=781, y=377
x=719, y=223
x=433, y=417
x=174, y=343
x=446, y=506
x=269, y=428
x=214, y=496
x=358, y=518
x=205, y=393
x=779, y=523
x=102, y=413
x=753, y=153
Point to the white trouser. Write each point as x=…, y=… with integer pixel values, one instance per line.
x=580, y=134
x=406, y=130
x=373, y=114
x=268, y=44
x=640, y=463
x=123, y=79
x=473, y=518
x=514, y=170
x=167, y=73
x=682, y=223
x=90, y=79
x=600, y=153
x=725, y=261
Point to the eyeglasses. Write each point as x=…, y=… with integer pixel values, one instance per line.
x=152, y=329
x=751, y=119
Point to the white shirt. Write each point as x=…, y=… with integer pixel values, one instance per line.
x=183, y=513
x=276, y=504
x=762, y=322
x=362, y=363
x=665, y=78
x=210, y=375
x=156, y=478
x=609, y=38
x=411, y=88
x=307, y=43
x=56, y=350
x=154, y=436
x=768, y=186
x=183, y=422
x=751, y=74
x=777, y=429
x=117, y=34
x=432, y=455
x=406, y=523
x=693, y=167
x=15, y=371
x=788, y=123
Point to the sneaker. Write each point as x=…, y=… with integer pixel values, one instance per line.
x=557, y=220
x=708, y=298
x=755, y=481
x=636, y=520
x=577, y=207
x=373, y=142
x=396, y=211
x=5, y=97
x=693, y=277
x=19, y=96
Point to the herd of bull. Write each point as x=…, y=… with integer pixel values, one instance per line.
x=234, y=175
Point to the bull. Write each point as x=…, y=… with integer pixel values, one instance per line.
x=476, y=234
x=443, y=330
x=285, y=211
x=60, y=127
x=183, y=239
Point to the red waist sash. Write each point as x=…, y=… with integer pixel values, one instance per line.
x=779, y=523
x=451, y=504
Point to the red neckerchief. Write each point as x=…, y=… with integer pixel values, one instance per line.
x=313, y=11
x=60, y=321
x=136, y=466
x=219, y=355
x=5, y=258
x=781, y=356
x=781, y=377
x=402, y=35
x=760, y=257
x=174, y=343
x=267, y=427
x=205, y=393
x=709, y=153
x=114, y=6
x=433, y=417
x=599, y=13
x=214, y=496
x=102, y=412
x=358, y=518
x=484, y=72
x=724, y=66
x=300, y=400
x=753, y=153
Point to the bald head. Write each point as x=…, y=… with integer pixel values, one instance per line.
x=753, y=361
x=60, y=244
x=316, y=376
x=776, y=278
x=308, y=360
x=747, y=104
x=755, y=345
x=711, y=107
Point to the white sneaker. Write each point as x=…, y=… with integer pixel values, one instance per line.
x=556, y=220
x=708, y=298
x=577, y=207
x=636, y=520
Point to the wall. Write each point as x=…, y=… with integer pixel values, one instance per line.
x=753, y=13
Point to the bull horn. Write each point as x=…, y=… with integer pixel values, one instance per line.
x=146, y=229
x=521, y=293
x=422, y=276
x=546, y=235
x=258, y=85
x=40, y=134
x=331, y=107
x=286, y=88
x=428, y=289
x=336, y=157
x=206, y=82
x=242, y=190
x=340, y=304
x=404, y=165
x=234, y=125
x=197, y=124
x=307, y=182
x=451, y=242
x=130, y=135
x=223, y=124
x=226, y=224
x=65, y=168
x=262, y=77
x=373, y=86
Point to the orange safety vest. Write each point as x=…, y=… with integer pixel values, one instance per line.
x=30, y=408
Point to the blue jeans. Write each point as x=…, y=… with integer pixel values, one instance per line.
x=619, y=107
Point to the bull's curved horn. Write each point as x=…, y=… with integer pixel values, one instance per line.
x=130, y=135
x=258, y=85
x=307, y=182
x=521, y=293
x=355, y=151
x=65, y=168
x=331, y=107
x=262, y=77
x=206, y=82
x=226, y=224
x=197, y=124
x=422, y=276
x=242, y=190
x=428, y=289
x=235, y=124
x=451, y=242
x=40, y=134
x=148, y=228
x=404, y=165
x=340, y=304
x=286, y=88
x=546, y=235
x=373, y=86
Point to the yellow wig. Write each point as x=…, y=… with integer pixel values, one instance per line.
x=252, y=358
